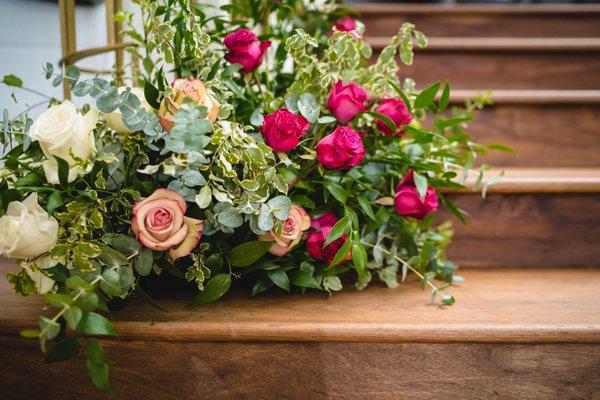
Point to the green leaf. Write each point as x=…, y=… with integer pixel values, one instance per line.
x=143, y=262
x=500, y=147
x=248, y=253
x=341, y=253
x=365, y=205
x=279, y=278
x=63, y=350
x=63, y=171
x=76, y=282
x=332, y=282
x=387, y=120
x=73, y=315
x=309, y=107
x=55, y=200
x=303, y=278
x=446, y=123
x=59, y=300
x=112, y=257
x=12, y=80
x=88, y=302
x=216, y=287
x=262, y=284
x=336, y=191
x=151, y=94
x=280, y=207
x=126, y=245
x=425, y=98
x=96, y=365
x=445, y=98
x=448, y=300
x=341, y=227
x=96, y=324
x=359, y=258
x=30, y=333
x=421, y=184
x=49, y=328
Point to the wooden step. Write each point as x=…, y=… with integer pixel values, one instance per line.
x=484, y=20
x=534, y=218
x=511, y=63
x=545, y=128
x=535, y=330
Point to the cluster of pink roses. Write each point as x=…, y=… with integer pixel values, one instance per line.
x=159, y=221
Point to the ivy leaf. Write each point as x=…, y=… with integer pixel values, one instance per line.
x=279, y=278
x=248, y=253
x=425, y=98
x=216, y=287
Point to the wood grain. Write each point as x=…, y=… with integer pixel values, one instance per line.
x=528, y=230
x=315, y=371
x=507, y=306
x=533, y=96
x=484, y=20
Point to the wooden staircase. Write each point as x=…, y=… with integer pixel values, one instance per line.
x=526, y=324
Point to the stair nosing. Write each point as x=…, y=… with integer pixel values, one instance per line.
x=530, y=96
x=476, y=9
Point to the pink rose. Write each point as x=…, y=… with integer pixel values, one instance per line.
x=408, y=202
x=316, y=239
x=341, y=149
x=345, y=24
x=283, y=129
x=245, y=49
x=397, y=111
x=297, y=222
x=345, y=101
x=159, y=223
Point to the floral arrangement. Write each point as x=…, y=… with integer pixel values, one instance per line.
x=252, y=143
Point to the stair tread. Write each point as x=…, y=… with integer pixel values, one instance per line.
x=531, y=96
x=511, y=9
x=499, y=44
x=506, y=305
x=540, y=180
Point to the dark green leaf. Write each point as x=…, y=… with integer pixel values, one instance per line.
x=143, y=262
x=448, y=299
x=279, y=278
x=387, y=120
x=365, y=205
x=151, y=94
x=12, y=80
x=425, y=98
x=359, y=258
x=216, y=287
x=96, y=365
x=337, y=191
x=248, y=253
x=96, y=324
x=341, y=253
x=304, y=278
x=341, y=227
x=55, y=200
x=262, y=284
x=445, y=98
x=73, y=315
x=63, y=350
x=63, y=171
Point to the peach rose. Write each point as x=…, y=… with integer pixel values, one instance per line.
x=297, y=222
x=159, y=223
x=192, y=89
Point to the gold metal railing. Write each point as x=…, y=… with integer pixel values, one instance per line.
x=70, y=54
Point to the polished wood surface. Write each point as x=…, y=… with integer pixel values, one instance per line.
x=506, y=305
x=528, y=230
x=311, y=371
x=532, y=96
x=481, y=20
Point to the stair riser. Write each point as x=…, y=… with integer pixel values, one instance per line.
x=449, y=25
x=528, y=230
x=506, y=69
x=233, y=370
x=552, y=135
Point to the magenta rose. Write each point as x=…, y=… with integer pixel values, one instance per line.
x=345, y=24
x=341, y=149
x=315, y=240
x=408, y=202
x=283, y=129
x=296, y=223
x=345, y=101
x=397, y=111
x=245, y=49
x=159, y=223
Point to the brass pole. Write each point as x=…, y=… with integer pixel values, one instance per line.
x=66, y=9
x=113, y=35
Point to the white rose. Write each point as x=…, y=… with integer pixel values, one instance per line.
x=61, y=131
x=26, y=230
x=115, y=119
x=43, y=283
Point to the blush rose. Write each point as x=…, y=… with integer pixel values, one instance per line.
x=159, y=223
x=345, y=101
x=296, y=223
x=408, y=203
x=283, y=129
x=397, y=111
x=341, y=149
x=245, y=49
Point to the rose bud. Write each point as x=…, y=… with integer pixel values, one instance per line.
x=408, y=203
x=245, y=49
x=345, y=24
x=397, y=111
x=283, y=129
x=159, y=223
x=341, y=149
x=314, y=243
x=297, y=222
x=183, y=89
x=345, y=101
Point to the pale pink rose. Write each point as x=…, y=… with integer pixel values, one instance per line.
x=297, y=222
x=159, y=223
